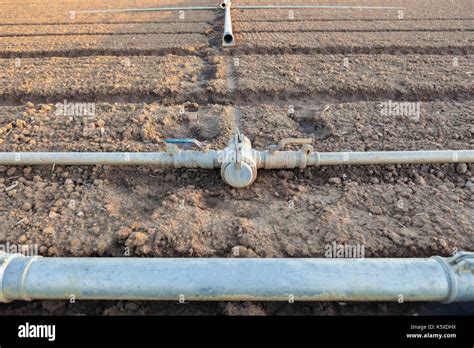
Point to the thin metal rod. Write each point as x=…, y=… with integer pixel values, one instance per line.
x=295, y=7
x=241, y=7
x=214, y=279
x=152, y=9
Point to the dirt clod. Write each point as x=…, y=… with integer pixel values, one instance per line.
x=461, y=168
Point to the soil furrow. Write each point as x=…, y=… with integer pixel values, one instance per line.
x=236, y=20
x=396, y=50
x=179, y=32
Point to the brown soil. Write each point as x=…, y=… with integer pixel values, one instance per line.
x=151, y=81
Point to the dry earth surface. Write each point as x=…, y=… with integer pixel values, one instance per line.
x=153, y=76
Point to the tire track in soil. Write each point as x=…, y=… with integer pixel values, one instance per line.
x=210, y=68
x=235, y=111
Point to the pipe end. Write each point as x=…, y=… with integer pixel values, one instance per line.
x=239, y=175
x=228, y=40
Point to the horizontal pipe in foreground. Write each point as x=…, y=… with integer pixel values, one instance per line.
x=425, y=279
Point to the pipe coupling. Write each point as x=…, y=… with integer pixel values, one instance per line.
x=4, y=261
x=459, y=271
x=7, y=260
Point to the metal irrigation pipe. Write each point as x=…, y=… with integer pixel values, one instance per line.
x=228, y=36
x=309, y=7
x=217, y=279
x=228, y=39
x=240, y=7
x=392, y=157
x=238, y=162
x=150, y=9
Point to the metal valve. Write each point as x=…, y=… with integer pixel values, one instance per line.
x=239, y=168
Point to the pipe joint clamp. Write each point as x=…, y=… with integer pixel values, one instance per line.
x=459, y=271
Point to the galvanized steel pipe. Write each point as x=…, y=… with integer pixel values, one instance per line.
x=425, y=279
